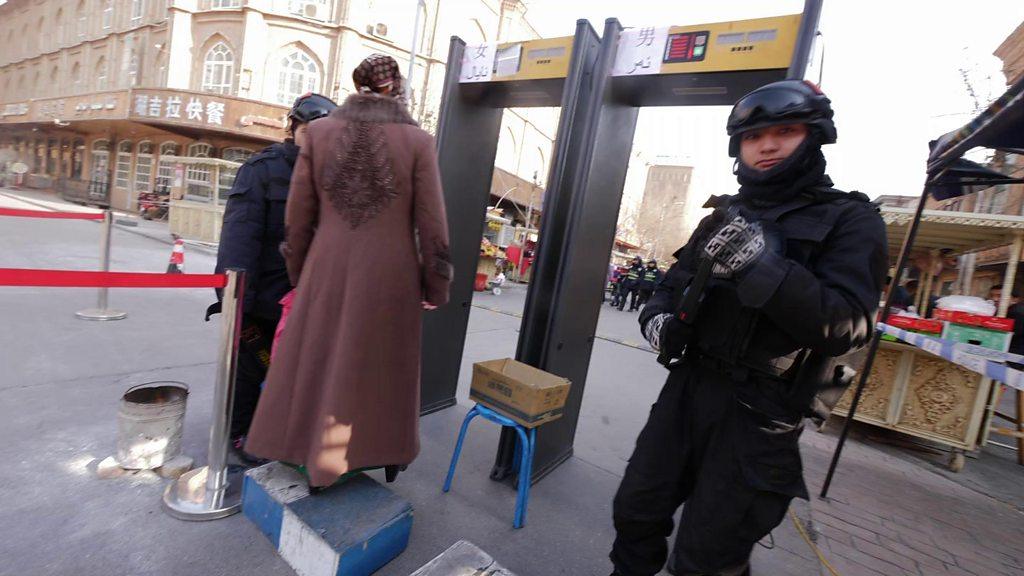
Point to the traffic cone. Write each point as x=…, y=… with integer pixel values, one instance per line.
x=177, y=262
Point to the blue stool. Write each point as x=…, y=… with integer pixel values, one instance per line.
x=524, y=454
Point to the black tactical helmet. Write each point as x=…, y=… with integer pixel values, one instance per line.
x=309, y=107
x=652, y=261
x=783, y=102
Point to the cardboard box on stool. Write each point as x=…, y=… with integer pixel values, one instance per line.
x=528, y=395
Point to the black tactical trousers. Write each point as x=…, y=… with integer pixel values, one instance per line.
x=632, y=293
x=735, y=474
x=253, y=361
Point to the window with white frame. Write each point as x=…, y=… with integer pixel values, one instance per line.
x=198, y=185
x=133, y=67
x=101, y=74
x=83, y=20
x=227, y=175
x=99, y=171
x=108, y=14
x=226, y=4
x=143, y=166
x=123, y=169
x=297, y=75
x=165, y=167
x=314, y=9
x=218, y=69
x=138, y=7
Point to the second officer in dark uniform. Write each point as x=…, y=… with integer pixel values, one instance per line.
x=250, y=239
x=782, y=278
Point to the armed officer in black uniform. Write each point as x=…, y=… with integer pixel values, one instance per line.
x=781, y=279
x=250, y=239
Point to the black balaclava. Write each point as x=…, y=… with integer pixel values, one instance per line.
x=803, y=169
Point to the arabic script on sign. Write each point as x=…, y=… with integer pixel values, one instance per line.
x=478, y=63
x=640, y=51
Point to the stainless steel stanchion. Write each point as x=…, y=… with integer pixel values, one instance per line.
x=209, y=492
x=101, y=312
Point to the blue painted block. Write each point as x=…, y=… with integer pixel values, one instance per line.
x=347, y=530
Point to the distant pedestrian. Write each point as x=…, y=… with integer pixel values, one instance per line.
x=631, y=284
x=648, y=280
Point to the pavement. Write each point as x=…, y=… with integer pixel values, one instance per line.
x=891, y=511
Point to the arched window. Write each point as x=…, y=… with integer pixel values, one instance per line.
x=77, y=157
x=60, y=26
x=218, y=69
x=133, y=67
x=21, y=89
x=165, y=168
x=82, y=20
x=137, y=9
x=101, y=73
x=76, y=77
x=108, y=14
x=143, y=166
x=198, y=184
x=100, y=169
x=123, y=169
x=54, y=75
x=37, y=85
x=297, y=74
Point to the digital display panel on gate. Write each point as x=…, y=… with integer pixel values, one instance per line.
x=686, y=47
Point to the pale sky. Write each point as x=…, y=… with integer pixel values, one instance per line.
x=891, y=70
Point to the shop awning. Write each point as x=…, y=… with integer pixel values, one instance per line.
x=958, y=232
x=1000, y=126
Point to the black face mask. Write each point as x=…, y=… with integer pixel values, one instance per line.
x=803, y=169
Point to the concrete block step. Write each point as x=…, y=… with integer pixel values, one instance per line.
x=347, y=530
x=463, y=559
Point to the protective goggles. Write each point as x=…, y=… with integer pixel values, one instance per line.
x=771, y=104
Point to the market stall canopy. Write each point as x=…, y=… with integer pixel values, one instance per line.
x=1000, y=126
x=961, y=176
x=959, y=232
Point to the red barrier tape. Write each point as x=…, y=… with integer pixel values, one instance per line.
x=85, y=279
x=45, y=214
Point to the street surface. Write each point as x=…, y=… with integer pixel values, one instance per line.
x=891, y=513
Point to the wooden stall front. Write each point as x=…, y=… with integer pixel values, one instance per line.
x=917, y=393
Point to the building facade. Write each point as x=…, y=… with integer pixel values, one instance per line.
x=100, y=93
x=659, y=223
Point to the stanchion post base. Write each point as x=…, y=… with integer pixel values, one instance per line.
x=187, y=498
x=101, y=315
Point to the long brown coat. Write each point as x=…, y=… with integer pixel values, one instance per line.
x=367, y=241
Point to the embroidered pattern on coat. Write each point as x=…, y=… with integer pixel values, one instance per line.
x=361, y=181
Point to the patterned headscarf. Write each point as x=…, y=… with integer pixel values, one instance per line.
x=379, y=71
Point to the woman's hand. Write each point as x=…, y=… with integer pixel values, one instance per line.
x=427, y=305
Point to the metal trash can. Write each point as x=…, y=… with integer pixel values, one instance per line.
x=149, y=424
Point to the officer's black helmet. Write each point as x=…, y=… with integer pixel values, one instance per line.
x=309, y=107
x=782, y=102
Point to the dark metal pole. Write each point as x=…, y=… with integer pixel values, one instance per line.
x=908, y=243
x=805, y=39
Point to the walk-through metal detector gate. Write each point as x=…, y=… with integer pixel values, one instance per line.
x=480, y=82
x=693, y=65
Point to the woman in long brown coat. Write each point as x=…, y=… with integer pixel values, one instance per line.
x=367, y=248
